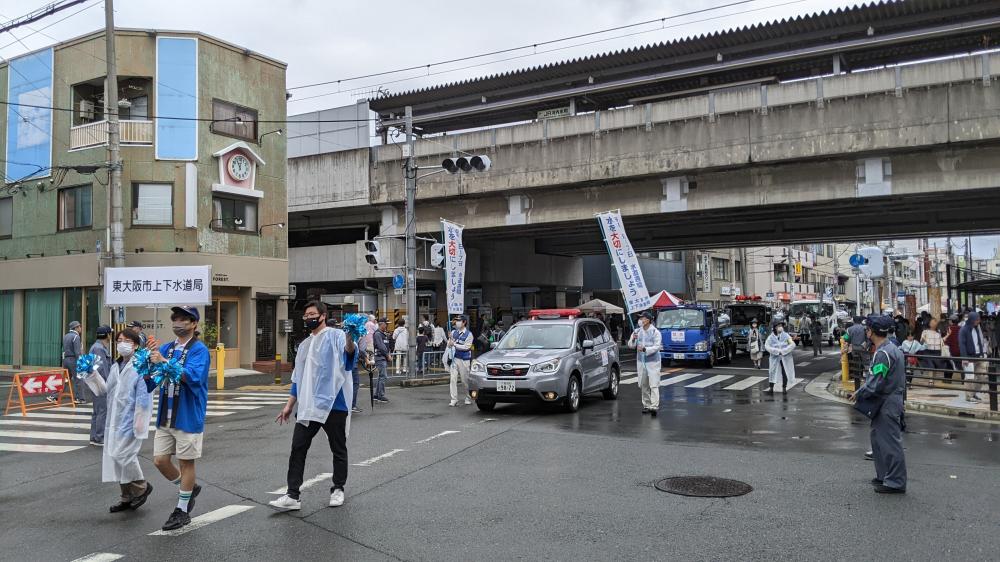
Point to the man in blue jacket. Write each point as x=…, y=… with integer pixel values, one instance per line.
x=972, y=343
x=180, y=418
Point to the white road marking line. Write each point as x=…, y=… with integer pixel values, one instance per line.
x=442, y=434
x=45, y=423
x=307, y=484
x=49, y=416
x=742, y=368
x=29, y=448
x=745, y=383
x=487, y=420
x=709, y=381
x=629, y=380
x=797, y=381
x=678, y=378
x=383, y=456
x=206, y=519
x=44, y=435
x=100, y=557
x=253, y=399
x=804, y=364
x=236, y=393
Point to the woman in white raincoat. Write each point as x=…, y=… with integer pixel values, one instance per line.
x=130, y=406
x=782, y=366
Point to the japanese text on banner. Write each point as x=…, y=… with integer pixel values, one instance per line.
x=150, y=286
x=625, y=261
x=454, y=267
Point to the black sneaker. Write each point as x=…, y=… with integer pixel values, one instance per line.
x=881, y=489
x=50, y=399
x=178, y=518
x=119, y=507
x=194, y=494
x=136, y=503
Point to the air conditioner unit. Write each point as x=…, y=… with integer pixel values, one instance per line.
x=87, y=110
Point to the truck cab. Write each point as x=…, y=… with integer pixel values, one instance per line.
x=824, y=313
x=695, y=333
x=742, y=313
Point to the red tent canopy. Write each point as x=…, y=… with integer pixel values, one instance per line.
x=664, y=299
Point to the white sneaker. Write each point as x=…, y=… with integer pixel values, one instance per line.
x=468, y=402
x=453, y=403
x=287, y=503
x=337, y=498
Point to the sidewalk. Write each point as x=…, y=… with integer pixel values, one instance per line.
x=948, y=400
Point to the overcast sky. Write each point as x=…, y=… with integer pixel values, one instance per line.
x=324, y=40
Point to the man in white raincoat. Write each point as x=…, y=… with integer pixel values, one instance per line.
x=322, y=390
x=130, y=406
x=648, y=342
x=782, y=366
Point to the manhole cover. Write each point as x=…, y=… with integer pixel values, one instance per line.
x=703, y=486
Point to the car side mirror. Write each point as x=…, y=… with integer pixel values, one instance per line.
x=493, y=345
x=588, y=344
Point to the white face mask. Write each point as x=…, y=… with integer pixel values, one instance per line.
x=779, y=329
x=125, y=348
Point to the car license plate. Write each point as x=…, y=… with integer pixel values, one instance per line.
x=678, y=356
x=505, y=386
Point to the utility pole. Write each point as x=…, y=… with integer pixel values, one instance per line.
x=114, y=160
x=410, y=178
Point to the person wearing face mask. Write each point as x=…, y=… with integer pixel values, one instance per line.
x=461, y=342
x=782, y=366
x=180, y=419
x=648, y=342
x=883, y=394
x=130, y=406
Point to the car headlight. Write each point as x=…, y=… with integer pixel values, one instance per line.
x=478, y=367
x=701, y=346
x=546, y=367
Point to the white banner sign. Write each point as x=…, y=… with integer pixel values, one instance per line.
x=151, y=286
x=706, y=274
x=625, y=261
x=454, y=267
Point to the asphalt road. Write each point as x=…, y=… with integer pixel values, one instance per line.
x=429, y=482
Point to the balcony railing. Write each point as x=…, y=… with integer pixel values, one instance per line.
x=96, y=133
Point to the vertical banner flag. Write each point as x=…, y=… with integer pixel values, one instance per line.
x=454, y=267
x=625, y=261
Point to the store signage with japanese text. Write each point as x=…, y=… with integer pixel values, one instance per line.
x=625, y=262
x=152, y=286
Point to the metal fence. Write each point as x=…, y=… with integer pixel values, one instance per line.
x=970, y=374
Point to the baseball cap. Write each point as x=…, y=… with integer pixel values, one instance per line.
x=74, y=325
x=188, y=310
x=135, y=324
x=103, y=331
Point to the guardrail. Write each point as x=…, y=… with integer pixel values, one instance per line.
x=935, y=370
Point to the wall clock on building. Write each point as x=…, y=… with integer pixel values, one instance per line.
x=240, y=167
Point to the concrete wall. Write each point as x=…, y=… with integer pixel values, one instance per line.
x=328, y=181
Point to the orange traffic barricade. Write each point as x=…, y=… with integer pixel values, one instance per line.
x=39, y=384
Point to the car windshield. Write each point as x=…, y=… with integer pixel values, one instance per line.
x=681, y=318
x=538, y=336
x=742, y=315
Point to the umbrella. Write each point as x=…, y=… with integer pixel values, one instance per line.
x=597, y=305
x=664, y=299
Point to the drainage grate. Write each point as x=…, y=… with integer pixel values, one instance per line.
x=703, y=486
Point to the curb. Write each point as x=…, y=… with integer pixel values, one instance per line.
x=430, y=381
x=913, y=406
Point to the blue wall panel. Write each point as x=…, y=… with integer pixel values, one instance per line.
x=29, y=129
x=176, y=96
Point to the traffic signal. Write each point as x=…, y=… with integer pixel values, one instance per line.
x=477, y=163
x=437, y=255
x=872, y=266
x=373, y=253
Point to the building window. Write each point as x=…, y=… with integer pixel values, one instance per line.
x=75, y=207
x=781, y=272
x=737, y=270
x=232, y=120
x=6, y=217
x=152, y=204
x=235, y=215
x=720, y=269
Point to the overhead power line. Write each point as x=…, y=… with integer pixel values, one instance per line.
x=40, y=13
x=522, y=47
x=206, y=119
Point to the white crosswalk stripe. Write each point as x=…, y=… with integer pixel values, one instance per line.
x=741, y=383
x=42, y=431
x=709, y=381
x=745, y=383
x=677, y=379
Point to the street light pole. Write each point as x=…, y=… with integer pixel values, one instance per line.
x=410, y=179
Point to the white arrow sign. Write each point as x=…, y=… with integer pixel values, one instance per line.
x=32, y=385
x=53, y=383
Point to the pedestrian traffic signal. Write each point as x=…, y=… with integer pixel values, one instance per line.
x=873, y=267
x=477, y=163
x=437, y=255
x=373, y=254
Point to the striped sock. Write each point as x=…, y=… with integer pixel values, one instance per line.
x=182, y=500
x=177, y=481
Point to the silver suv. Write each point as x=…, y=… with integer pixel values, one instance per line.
x=552, y=359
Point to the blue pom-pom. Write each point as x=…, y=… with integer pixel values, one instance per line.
x=354, y=324
x=140, y=362
x=85, y=364
x=171, y=370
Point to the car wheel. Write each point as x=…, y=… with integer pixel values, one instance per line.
x=611, y=392
x=485, y=406
x=572, y=401
x=710, y=362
